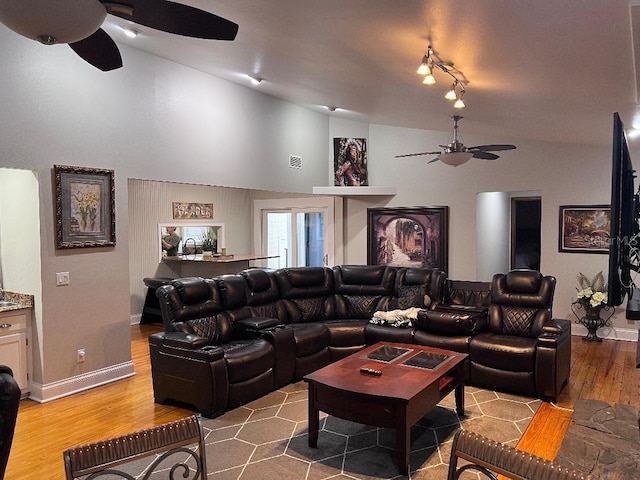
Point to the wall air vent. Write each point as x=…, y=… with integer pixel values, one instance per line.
x=295, y=161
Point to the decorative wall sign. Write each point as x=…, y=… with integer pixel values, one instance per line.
x=408, y=237
x=85, y=207
x=187, y=210
x=584, y=228
x=350, y=162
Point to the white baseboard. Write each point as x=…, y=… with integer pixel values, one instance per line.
x=610, y=333
x=135, y=319
x=63, y=388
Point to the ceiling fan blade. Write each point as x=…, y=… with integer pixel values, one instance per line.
x=434, y=160
x=417, y=154
x=492, y=148
x=485, y=155
x=99, y=50
x=175, y=18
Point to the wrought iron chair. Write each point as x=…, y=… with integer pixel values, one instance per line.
x=490, y=458
x=169, y=442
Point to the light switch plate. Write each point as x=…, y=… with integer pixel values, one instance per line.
x=62, y=278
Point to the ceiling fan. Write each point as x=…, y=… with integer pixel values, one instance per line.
x=455, y=153
x=78, y=22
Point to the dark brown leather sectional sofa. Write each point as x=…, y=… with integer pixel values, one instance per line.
x=231, y=339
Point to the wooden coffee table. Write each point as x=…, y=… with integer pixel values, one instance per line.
x=398, y=398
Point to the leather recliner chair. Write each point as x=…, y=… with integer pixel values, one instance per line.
x=524, y=349
x=9, y=403
x=198, y=359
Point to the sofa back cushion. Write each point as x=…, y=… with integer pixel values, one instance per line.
x=216, y=331
x=186, y=299
x=462, y=292
x=307, y=293
x=361, y=290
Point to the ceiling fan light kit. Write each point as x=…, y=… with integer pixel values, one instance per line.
x=431, y=62
x=78, y=24
x=455, y=153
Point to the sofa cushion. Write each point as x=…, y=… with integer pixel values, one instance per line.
x=247, y=359
x=411, y=296
x=504, y=352
x=361, y=306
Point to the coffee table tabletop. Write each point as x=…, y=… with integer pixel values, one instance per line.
x=400, y=395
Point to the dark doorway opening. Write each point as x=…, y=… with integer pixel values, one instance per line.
x=526, y=216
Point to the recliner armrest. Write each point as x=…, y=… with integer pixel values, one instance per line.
x=556, y=326
x=187, y=343
x=256, y=323
x=553, y=331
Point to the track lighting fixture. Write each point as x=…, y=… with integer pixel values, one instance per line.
x=430, y=62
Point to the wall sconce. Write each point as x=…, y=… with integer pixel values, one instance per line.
x=431, y=62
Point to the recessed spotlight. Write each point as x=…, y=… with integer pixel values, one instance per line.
x=255, y=80
x=331, y=108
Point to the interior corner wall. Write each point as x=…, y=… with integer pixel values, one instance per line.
x=493, y=221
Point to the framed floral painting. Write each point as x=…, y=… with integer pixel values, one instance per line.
x=85, y=207
x=584, y=228
x=408, y=237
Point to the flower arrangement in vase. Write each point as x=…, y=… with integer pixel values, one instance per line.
x=209, y=244
x=592, y=299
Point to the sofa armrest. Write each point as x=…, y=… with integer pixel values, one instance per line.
x=256, y=323
x=188, y=345
x=553, y=331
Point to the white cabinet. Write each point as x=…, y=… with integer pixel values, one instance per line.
x=14, y=345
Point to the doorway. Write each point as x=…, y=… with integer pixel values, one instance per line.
x=526, y=217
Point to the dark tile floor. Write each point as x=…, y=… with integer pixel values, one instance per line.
x=267, y=439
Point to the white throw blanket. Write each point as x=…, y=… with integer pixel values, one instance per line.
x=395, y=318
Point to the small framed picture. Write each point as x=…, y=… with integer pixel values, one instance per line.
x=85, y=207
x=584, y=229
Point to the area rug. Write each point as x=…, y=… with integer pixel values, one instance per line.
x=268, y=439
x=603, y=441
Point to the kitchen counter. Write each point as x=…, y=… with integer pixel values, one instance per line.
x=209, y=266
x=22, y=300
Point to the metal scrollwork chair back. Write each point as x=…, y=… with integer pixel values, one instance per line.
x=491, y=458
x=170, y=442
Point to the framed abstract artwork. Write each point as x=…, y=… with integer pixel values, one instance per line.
x=408, y=237
x=85, y=207
x=584, y=229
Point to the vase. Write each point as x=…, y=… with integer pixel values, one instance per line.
x=590, y=317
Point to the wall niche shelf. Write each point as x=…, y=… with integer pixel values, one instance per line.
x=352, y=191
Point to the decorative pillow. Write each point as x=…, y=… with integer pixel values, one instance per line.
x=412, y=296
x=206, y=327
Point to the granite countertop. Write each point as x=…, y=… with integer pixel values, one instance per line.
x=23, y=301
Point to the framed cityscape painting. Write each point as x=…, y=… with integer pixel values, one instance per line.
x=85, y=207
x=584, y=229
x=408, y=237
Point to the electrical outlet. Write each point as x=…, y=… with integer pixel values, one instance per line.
x=62, y=278
x=81, y=356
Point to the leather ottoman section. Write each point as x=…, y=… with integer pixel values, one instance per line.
x=382, y=333
x=248, y=359
x=495, y=379
x=504, y=352
x=346, y=333
x=249, y=390
x=310, y=338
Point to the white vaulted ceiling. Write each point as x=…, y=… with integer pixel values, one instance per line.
x=544, y=70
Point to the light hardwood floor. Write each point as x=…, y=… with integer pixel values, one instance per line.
x=603, y=371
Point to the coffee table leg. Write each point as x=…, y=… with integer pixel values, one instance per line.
x=403, y=447
x=460, y=398
x=314, y=417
